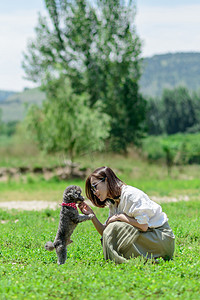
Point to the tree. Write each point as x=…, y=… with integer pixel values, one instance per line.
x=155, y=118
x=97, y=47
x=65, y=123
x=179, y=113
x=1, y=123
x=196, y=104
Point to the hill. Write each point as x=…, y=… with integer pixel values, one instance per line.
x=5, y=94
x=169, y=71
x=14, y=106
x=159, y=72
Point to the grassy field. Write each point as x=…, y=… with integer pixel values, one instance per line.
x=39, y=189
x=133, y=169
x=28, y=271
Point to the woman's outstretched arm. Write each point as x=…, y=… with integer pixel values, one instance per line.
x=86, y=209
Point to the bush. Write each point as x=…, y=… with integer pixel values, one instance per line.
x=183, y=148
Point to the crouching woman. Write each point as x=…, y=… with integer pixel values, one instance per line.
x=136, y=225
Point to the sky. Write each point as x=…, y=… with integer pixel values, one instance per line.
x=163, y=26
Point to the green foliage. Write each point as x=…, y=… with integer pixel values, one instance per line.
x=177, y=111
x=96, y=46
x=65, y=123
x=28, y=271
x=154, y=117
x=184, y=148
x=1, y=123
x=9, y=128
x=18, y=151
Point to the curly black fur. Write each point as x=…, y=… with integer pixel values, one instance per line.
x=69, y=218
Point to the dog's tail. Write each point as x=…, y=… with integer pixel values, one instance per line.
x=49, y=246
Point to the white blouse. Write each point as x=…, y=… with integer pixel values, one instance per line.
x=135, y=203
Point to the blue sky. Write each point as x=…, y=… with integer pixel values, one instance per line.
x=163, y=25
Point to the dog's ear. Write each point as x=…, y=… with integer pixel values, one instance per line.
x=78, y=189
x=72, y=192
x=67, y=193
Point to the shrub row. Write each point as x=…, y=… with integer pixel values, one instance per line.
x=179, y=148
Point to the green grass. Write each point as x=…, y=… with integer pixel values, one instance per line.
x=132, y=169
x=39, y=189
x=35, y=189
x=16, y=151
x=28, y=271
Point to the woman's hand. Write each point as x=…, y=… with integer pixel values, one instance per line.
x=85, y=209
x=130, y=220
x=114, y=218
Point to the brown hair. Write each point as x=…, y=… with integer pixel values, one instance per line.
x=114, y=185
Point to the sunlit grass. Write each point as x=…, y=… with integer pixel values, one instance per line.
x=28, y=271
x=39, y=189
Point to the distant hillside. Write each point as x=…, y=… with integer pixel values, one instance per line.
x=159, y=72
x=15, y=105
x=5, y=94
x=170, y=70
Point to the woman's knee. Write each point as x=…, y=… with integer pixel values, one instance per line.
x=112, y=226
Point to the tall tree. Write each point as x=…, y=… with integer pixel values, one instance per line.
x=65, y=123
x=155, y=117
x=196, y=104
x=179, y=110
x=97, y=47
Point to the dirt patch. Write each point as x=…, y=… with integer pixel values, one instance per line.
x=170, y=199
x=39, y=205
x=29, y=205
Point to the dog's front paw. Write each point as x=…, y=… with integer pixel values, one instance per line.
x=90, y=216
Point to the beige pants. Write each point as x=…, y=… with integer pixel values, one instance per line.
x=122, y=241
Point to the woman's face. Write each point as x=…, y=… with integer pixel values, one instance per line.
x=100, y=188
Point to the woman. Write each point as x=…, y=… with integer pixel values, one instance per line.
x=136, y=226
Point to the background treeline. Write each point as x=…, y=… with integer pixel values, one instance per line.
x=88, y=64
x=173, y=126
x=8, y=128
x=176, y=149
x=177, y=111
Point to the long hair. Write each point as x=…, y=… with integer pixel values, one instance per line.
x=114, y=185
